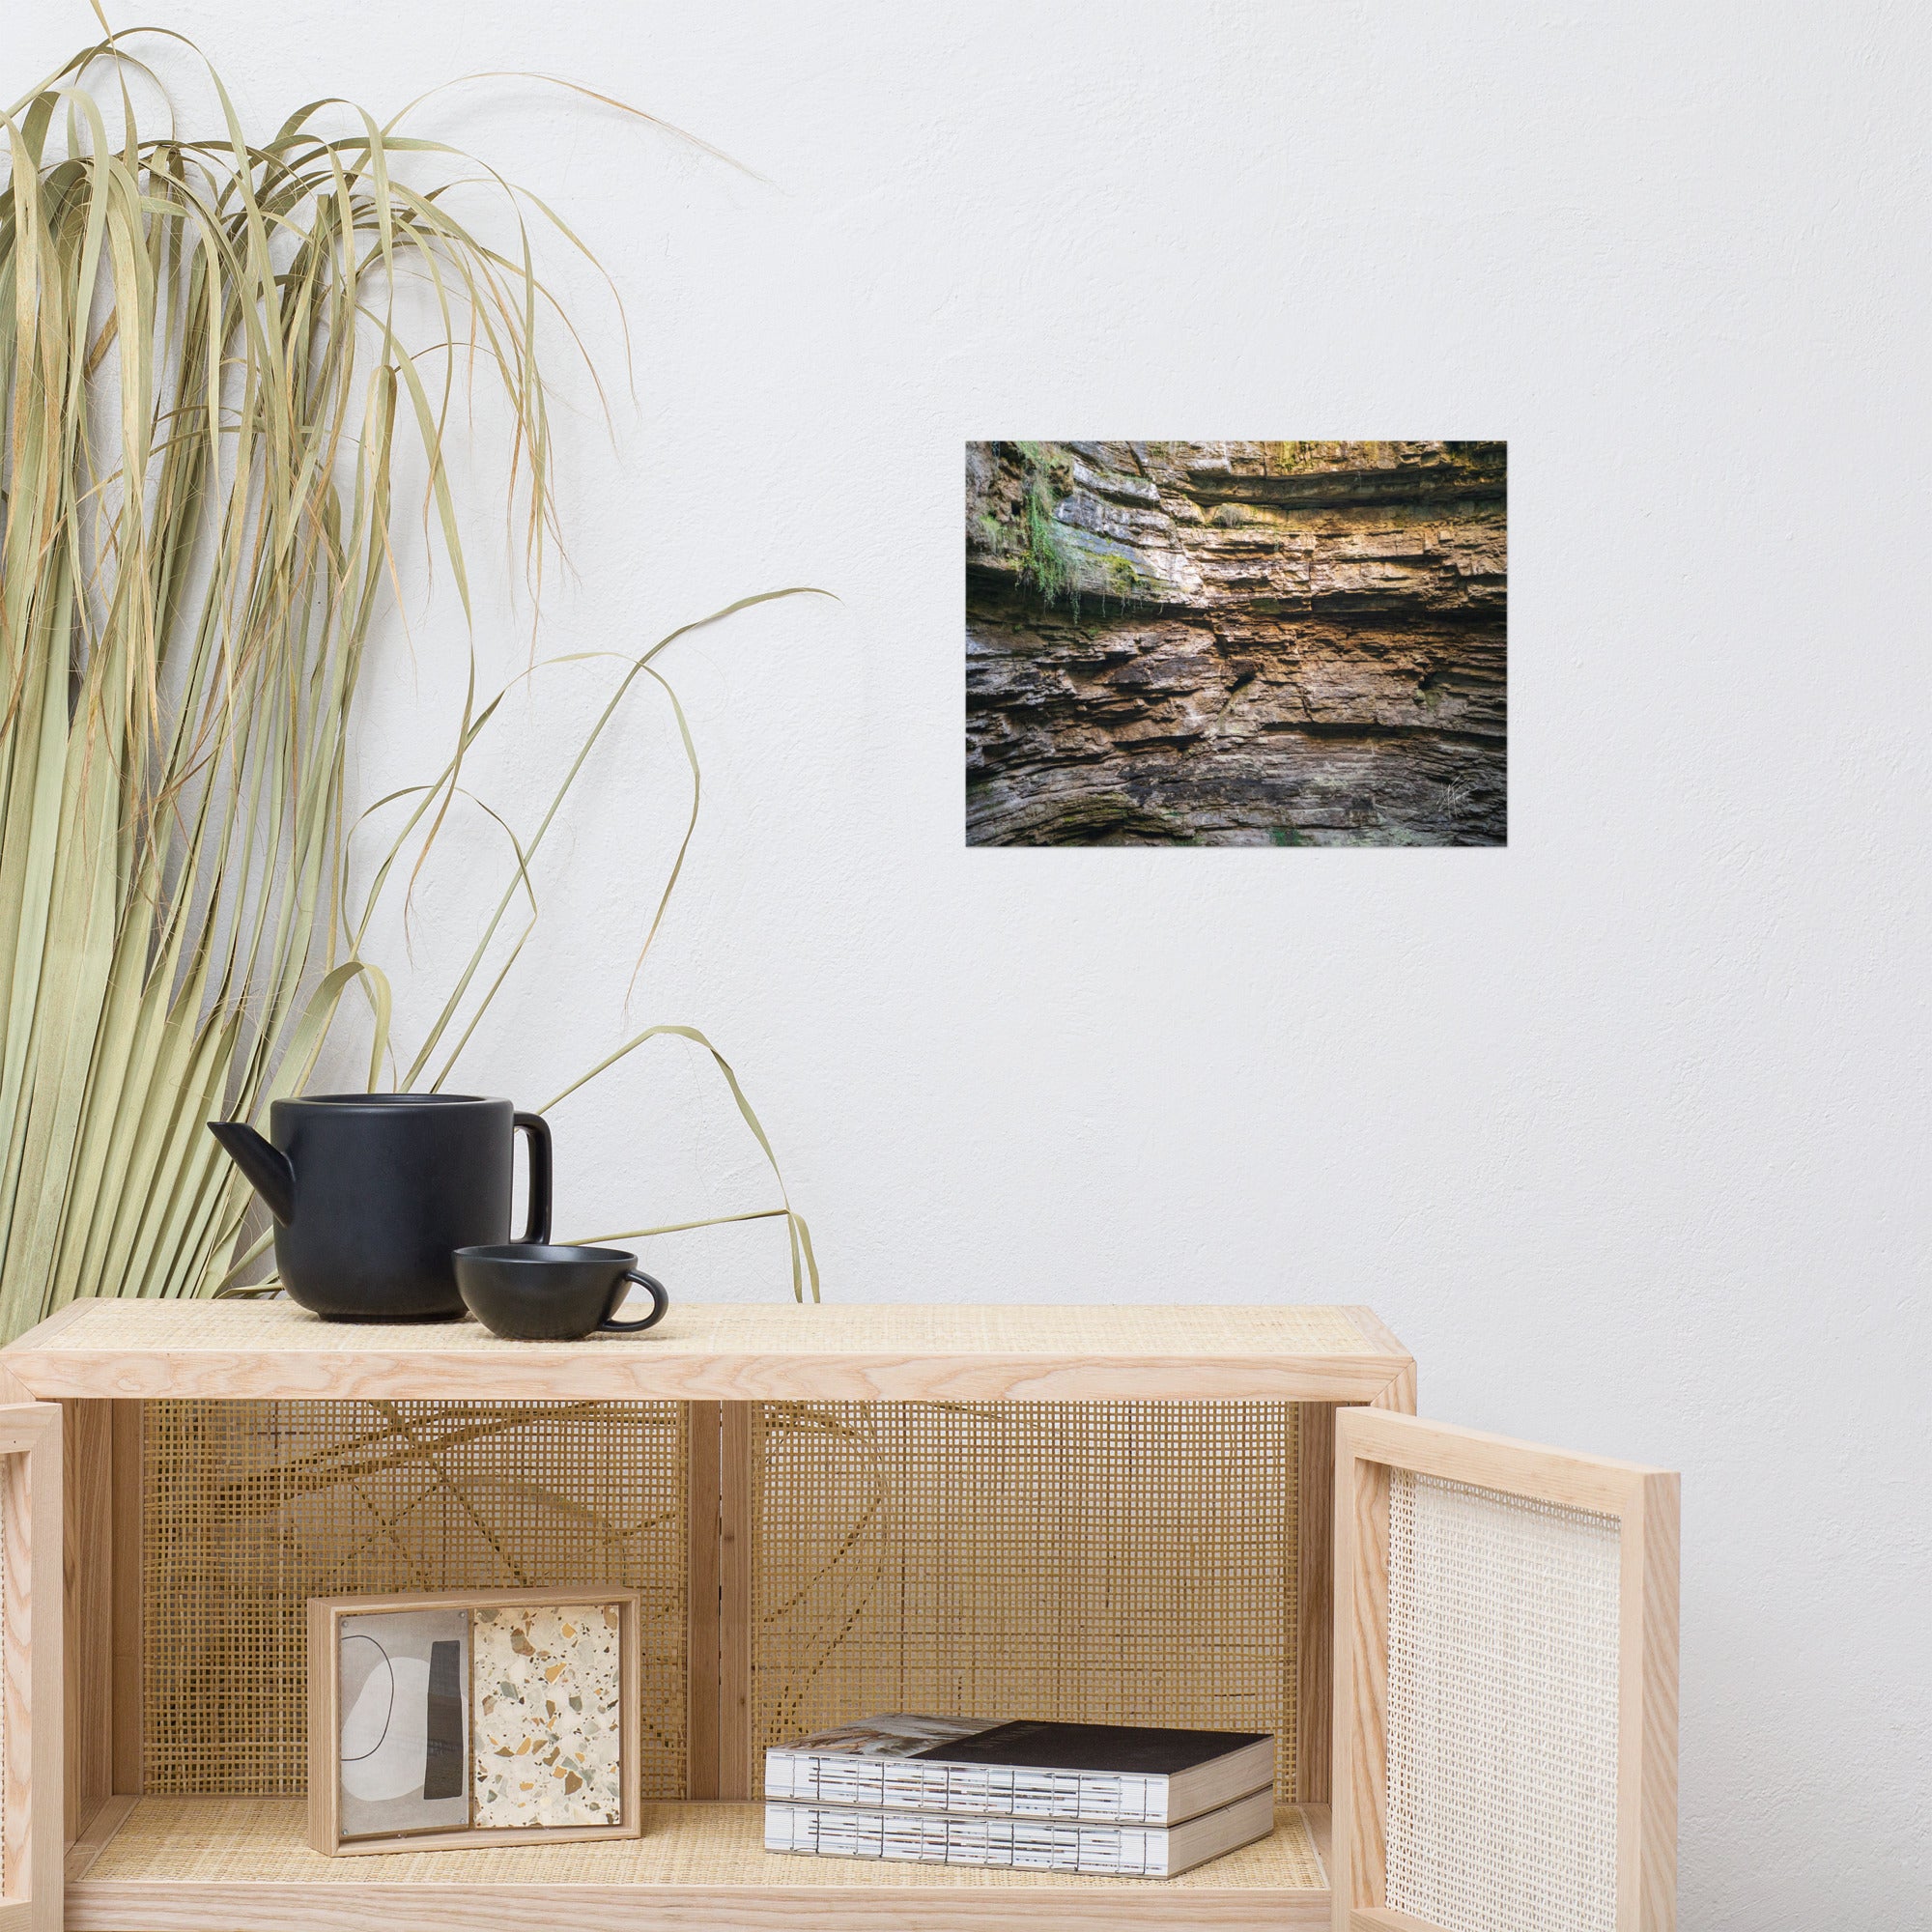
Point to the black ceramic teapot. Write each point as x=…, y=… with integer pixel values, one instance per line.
x=373, y=1192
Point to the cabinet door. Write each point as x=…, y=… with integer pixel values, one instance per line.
x=29, y=1668
x=1505, y=1685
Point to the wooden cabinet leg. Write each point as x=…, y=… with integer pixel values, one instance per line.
x=88, y=1568
x=703, y=1451
x=718, y=1581
x=735, y=1492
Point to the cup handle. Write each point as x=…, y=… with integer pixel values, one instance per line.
x=660, y=1300
x=538, y=1128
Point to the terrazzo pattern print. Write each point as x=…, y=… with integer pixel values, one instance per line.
x=548, y=1724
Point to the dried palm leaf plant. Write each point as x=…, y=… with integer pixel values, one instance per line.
x=210, y=386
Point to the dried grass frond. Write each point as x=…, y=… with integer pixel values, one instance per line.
x=208, y=382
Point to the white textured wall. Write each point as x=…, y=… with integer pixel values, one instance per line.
x=1625, y=1128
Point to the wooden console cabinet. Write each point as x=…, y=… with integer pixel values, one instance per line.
x=90, y=1842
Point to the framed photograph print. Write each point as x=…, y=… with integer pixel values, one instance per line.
x=478, y=1718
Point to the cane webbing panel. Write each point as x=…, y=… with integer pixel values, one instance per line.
x=250, y=1508
x=1502, y=1710
x=208, y=1841
x=1131, y=1562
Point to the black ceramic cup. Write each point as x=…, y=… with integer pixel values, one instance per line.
x=529, y=1292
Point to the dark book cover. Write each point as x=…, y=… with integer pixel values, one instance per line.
x=1096, y=1747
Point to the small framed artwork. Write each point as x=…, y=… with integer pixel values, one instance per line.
x=478, y=1718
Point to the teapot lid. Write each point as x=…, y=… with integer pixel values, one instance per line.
x=387, y=1100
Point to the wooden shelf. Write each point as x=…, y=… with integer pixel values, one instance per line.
x=238, y=1864
x=734, y=1352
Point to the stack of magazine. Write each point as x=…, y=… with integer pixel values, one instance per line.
x=1105, y=1798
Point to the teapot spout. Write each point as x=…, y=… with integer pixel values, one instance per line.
x=265, y=1166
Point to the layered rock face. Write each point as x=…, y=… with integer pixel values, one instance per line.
x=1236, y=644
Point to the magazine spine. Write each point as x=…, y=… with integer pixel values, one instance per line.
x=1022, y=1844
x=1004, y=1791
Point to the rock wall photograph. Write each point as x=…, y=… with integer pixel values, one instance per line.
x=1237, y=643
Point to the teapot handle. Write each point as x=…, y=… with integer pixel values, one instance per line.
x=660, y=1301
x=537, y=1127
